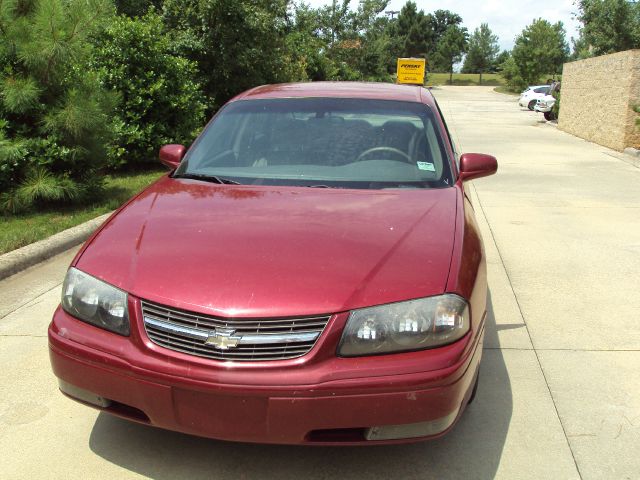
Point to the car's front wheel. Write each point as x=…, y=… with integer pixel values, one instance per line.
x=549, y=116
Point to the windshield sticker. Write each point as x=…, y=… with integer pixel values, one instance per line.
x=429, y=167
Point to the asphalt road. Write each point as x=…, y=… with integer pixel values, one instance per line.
x=559, y=395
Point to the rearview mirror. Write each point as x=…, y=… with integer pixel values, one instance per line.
x=476, y=165
x=171, y=155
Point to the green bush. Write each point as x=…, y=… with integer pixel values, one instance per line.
x=54, y=116
x=556, y=106
x=160, y=100
x=540, y=49
x=237, y=44
x=511, y=74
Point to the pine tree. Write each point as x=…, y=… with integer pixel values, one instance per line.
x=53, y=113
x=451, y=47
x=482, y=52
x=411, y=34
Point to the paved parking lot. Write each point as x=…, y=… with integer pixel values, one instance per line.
x=559, y=394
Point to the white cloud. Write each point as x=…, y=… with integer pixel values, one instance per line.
x=505, y=18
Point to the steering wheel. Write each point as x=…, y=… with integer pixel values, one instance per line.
x=387, y=149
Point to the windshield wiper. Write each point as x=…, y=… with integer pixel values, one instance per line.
x=320, y=186
x=207, y=178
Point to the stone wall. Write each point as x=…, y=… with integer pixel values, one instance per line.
x=598, y=95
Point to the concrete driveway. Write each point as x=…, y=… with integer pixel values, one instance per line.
x=559, y=393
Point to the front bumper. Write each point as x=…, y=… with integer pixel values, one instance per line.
x=543, y=109
x=316, y=399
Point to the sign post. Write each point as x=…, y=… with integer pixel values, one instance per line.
x=411, y=71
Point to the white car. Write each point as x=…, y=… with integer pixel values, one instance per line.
x=545, y=105
x=530, y=96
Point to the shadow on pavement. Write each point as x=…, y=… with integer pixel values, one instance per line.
x=472, y=450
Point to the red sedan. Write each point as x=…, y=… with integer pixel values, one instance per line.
x=310, y=272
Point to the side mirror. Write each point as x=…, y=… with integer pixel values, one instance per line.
x=476, y=165
x=171, y=155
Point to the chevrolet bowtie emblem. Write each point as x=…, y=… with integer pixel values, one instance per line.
x=223, y=339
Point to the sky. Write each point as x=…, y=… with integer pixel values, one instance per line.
x=505, y=18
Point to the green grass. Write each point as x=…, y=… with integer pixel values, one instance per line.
x=465, y=79
x=19, y=230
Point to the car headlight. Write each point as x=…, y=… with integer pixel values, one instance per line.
x=405, y=326
x=95, y=302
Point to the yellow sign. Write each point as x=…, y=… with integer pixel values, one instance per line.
x=411, y=70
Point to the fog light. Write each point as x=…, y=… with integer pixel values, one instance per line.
x=411, y=430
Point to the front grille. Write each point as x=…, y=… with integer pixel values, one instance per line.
x=241, y=340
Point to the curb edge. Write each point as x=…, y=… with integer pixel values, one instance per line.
x=17, y=260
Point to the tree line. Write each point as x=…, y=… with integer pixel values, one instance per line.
x=606, y=26
x=91, y=85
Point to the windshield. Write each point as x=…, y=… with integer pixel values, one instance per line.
x=322, y=142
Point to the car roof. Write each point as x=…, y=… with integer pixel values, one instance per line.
x=364, y=90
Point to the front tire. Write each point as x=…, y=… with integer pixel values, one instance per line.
x=549, y=116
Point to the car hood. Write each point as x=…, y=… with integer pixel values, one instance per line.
x=247, y=251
